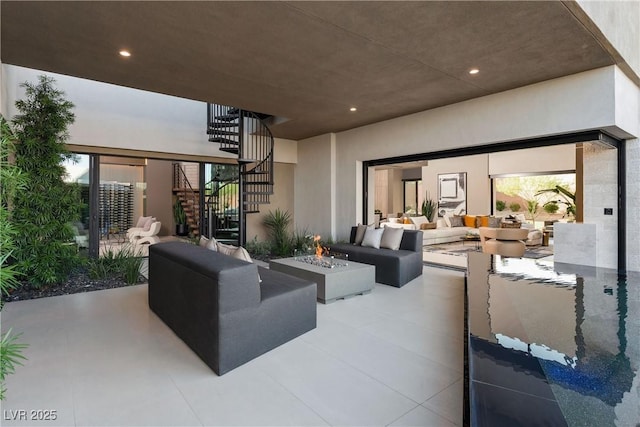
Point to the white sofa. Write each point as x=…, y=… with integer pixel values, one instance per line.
x=443, y=233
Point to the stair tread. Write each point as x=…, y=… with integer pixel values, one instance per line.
x=222, y=132
x=223, y=125
x=227, y=117
x=223, y=140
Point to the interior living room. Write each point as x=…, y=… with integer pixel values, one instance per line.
x=320, y=106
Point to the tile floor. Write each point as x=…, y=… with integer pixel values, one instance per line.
x=393, y=357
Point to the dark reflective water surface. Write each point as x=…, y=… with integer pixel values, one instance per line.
x=552, y=345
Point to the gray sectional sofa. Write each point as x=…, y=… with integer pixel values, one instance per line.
x=393, y=267
x=219, y=307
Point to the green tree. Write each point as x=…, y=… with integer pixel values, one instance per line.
x=46, y=207
x=12, y=181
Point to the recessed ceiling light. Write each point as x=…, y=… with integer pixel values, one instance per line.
x=474, y=71
x=353, y=109
x=125, y=53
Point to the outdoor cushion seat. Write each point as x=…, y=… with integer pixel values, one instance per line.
x=393, y=267
x=139, y=237
x=228, y=311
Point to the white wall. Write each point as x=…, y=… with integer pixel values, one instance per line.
x=618, y=21
x=533, y=160
x=119, y=117
x=568, y=104
x=478, y=187
x=598, y=99
x=314, y=194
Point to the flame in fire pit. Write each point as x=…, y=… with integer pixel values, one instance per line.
x=319, y=249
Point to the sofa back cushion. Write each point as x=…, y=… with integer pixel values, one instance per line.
x=372, y=237
x=231, y=283
x=360, y=230
x=391, y=238
x=419, y=220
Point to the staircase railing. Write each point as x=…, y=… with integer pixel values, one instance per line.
x=243, y=133
x=191, y=202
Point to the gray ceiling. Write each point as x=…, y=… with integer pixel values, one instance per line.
x=307, y=62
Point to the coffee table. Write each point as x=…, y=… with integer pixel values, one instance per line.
x=471, y=238
x=340, y=282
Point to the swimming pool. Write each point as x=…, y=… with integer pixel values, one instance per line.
x=551, y=345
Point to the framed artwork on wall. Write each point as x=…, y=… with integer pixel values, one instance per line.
x=452, y=196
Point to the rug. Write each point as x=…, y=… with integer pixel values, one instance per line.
x=459, y=249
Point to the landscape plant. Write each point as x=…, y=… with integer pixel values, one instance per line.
x=118, y=264
x=277, y=224
x=12, y=181
x=515, y=207
x=43, y=211
x=551, y=207
x=500, y=205
x=532, y=209
x=429, y=207
x=567, y=197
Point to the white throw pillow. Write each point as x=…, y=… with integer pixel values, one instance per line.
x=447, y=220
x=226, y=249
x=372, y=237
x=147, y=224
x=419, y=220
x=203, y=242
x=141, y=221
x=241, y=253
x=391, y=238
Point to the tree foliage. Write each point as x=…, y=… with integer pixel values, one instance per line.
x=43, y=211
x=12, y=181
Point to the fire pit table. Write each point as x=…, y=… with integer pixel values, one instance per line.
x=336, y=278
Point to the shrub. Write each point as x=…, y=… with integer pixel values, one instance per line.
x=501, y=205
x=551, y=207
x=123, y=264
x=258, y=249
x=515, y=207
x=277, y=224
x=12, y=181
x=46, y=207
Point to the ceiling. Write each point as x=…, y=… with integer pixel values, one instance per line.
x=306, y=62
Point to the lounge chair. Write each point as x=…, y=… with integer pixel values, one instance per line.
x=139, y=237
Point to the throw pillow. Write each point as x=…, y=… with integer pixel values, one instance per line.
x=447, y=220
x=225, y=249
x=483, y=221
x=372, y=237
x=141, y=221
x=494, y=222
x=241, y=253
x=360, y=234
x=456, y=221
x=406, y=220
x=428, y=226
x=419, y=220
x=469, y=221
x=203, y=242
x=391, y=238
x=147, y=224
x=212, y=245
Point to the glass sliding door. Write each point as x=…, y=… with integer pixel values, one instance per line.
x=221, y=201
x=78, y=173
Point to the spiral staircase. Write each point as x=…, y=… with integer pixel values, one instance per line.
x=244, y=134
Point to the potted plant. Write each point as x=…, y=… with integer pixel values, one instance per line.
x=180, y=218
x=429, y=207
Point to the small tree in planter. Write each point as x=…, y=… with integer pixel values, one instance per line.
x=429, y=207
x=44, y=210
x=500, y=205
x=180, y=218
